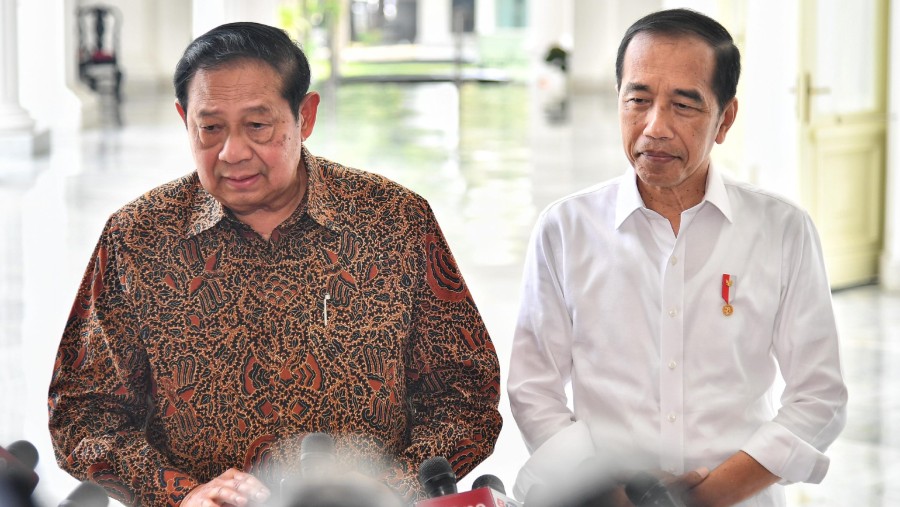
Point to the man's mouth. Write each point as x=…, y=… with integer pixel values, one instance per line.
x=242, y=181
x=657, y=156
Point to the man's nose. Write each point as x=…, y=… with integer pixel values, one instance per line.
x=236, y=149
x=659, y=122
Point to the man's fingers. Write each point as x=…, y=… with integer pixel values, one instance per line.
x=250, y=486
x=689, y=480
x=232, y=488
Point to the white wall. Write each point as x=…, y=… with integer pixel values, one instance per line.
x=890, y=260
x=767, y=107
x=173, y=28
x=138, y=41
x=154, y=34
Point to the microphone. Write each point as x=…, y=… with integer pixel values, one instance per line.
x=437, y=477
x=17, y=476
x=487, y=491
x=489, y=481
x=317, y=455
x=644, y=490
x=347, y=490
x=596, y=491
x=317, y=463
x=538, y=496
x=24, y=453
x=86, y=494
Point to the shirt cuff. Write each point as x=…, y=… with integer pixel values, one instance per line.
x=787, y=455
x=555, y=459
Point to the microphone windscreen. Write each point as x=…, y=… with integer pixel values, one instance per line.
x=319, y=443
x=87, y=494
x=490, y=481
x=24, y=452
x=644, y=490
x=17, y=467
x=343, y=491
x=437, y=477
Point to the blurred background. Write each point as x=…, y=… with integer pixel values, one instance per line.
x=491, y=109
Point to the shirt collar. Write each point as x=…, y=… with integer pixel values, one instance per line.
x=205, y=212
x=628, y=198
x=322, y=203
x=324, y=196
x=716, y=193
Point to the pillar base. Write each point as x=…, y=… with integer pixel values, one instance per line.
x=24, y=144
x=889, y=278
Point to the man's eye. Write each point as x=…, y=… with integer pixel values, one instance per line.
x=209, y=128
x=637, y=100
x=258, y=126
x=685, y=107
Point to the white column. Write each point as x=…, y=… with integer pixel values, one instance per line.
x=597, y=29
x=17, y=135
x=485, y=17
x=208, y=14
x=12, y=377
x=890, y=256
x=47, y=66
x=433, y=20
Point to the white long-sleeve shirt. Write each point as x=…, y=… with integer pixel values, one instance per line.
x=632, y=316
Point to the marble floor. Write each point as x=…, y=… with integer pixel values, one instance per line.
x=487, y=161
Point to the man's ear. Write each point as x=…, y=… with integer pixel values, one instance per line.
x=727, y=120
x=308, y=109
x=181, y=112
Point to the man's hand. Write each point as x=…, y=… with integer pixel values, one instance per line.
x=678, y=488
x=739, y=477
x=682, y=486
x=231, y=489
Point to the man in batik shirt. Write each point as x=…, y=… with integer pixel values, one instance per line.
x=267, y=295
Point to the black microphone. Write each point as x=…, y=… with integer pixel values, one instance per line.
x=489, y=481
x=486, y=490
x=317, y=455
x=644, y=490
x=317, y=463
x=24, y=452
x=17, y=476
x=86, y=494
x=437, y=477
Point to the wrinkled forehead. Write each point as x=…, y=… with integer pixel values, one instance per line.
x=251, y=75
x=234, y=72
x=685, y=59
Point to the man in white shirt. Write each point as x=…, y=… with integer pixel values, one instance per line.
x=671, y=297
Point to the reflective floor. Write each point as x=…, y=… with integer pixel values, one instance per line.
x=487, y=161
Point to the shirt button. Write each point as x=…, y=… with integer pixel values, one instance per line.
x=672, y=418
x=673, y=312
x=673, y=260
x=672, y=364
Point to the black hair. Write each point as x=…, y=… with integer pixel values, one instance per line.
x=235, y=41
x=727, y=68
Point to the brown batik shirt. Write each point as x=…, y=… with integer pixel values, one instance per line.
x=194, y=345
